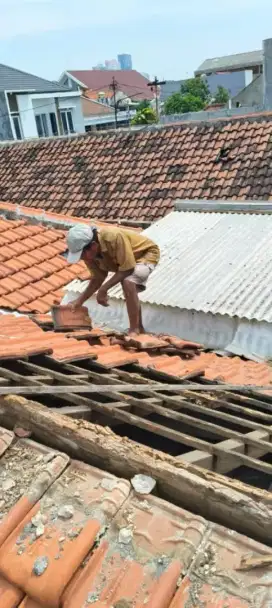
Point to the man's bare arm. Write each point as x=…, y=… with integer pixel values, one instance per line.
x=118, y=277
x=93, y=286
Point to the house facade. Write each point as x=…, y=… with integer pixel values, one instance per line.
x=131, y=86
x=101, y=117
x=33, y=107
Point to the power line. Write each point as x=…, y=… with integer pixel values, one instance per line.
x=50, y=104
x=155, y=86
x=113, y=86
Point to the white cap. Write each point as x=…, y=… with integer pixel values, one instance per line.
x=78, y=237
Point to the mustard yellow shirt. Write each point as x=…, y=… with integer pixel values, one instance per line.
x=122, y=249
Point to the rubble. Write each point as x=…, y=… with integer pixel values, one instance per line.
x=8, y=484
x=40, y=565
x=125, y=536
x=66, y=512
x=143, y=484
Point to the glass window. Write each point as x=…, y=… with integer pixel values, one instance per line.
x=53, y=122
x=17, y=126
x=67, y=121
x=64, y=122
x=70, y=122
x=42, y=125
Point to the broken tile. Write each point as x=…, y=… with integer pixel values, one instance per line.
x=145, y=341
x=142, y=555
x=47, y=563
x=27, y=469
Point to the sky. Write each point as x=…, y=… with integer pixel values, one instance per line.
x=166, y=38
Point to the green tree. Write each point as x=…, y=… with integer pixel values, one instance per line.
x=222, y=95
x=143, y=105
x=197, y=87
x=147, y=116
x=193, y=97
x=180, y=104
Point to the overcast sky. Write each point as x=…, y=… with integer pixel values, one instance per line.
x=169, y=38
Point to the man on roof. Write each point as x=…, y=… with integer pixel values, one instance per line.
x=129, y=255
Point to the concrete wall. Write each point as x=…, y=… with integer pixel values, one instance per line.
x=170, y=87
x=205, y=116
x=27, y=116
x=251, y=95
x=234, y=82
x=267, y=89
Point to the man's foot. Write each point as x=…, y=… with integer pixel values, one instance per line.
x=134, y=332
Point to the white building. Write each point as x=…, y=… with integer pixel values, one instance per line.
x=33, y=107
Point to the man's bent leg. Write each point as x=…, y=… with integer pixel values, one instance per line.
x=133, y=305
x=138, y=280
x=142, y=330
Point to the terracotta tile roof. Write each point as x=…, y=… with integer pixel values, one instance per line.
x=139, y=175
x=83, y=537
x=130, y=82
x=48, y=218
x=232, y=370
x=32, y=268
x=20, y=336
x=91, y=107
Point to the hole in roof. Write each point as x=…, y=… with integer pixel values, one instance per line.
x=223, y=156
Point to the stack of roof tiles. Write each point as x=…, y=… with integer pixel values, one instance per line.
x=72, y=536
x=20, y=337
x=139, y=175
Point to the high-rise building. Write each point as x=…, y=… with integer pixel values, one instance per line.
x=99, y=66
x=125, y=61
x=112, y=64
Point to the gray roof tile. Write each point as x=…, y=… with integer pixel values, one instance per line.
x=239, y=61
x=12, y=79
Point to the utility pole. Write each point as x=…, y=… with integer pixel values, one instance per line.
x=114, y=88
x=154, y=86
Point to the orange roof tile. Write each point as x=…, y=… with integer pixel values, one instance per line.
x=139, y=175
x=31, y=255
x=73, y=536
x=31, y=268
x=20, y=336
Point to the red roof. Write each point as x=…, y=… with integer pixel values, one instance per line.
x=130, y=82
x=139, y=175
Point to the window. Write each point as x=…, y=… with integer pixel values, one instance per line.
x=17, y=126
x=67, y=121
x=42, y=125
x=53, y=122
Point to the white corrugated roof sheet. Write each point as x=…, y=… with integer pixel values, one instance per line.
x=213, y=262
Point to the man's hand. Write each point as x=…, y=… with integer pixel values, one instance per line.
x=102, y=297
x=76, y=304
